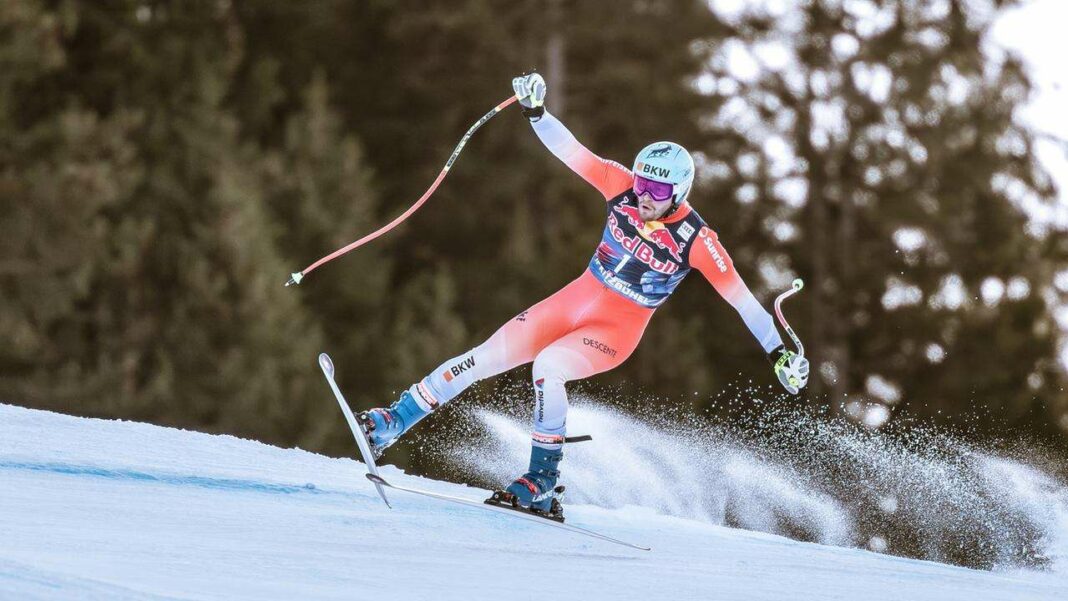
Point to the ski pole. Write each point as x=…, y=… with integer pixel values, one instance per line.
x=296, y=277
x=794, y=289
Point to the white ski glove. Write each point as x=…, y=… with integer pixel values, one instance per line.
x=531, y=90
x=790, y=368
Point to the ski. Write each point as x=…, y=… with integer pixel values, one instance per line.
x=520, y=513
x=358, y=432
x=380, y=483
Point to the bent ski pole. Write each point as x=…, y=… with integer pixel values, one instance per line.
x=295, y=278
x=794, y=289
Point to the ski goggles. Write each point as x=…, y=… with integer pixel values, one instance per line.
x=658, y=190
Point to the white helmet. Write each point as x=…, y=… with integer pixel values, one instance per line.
x=669, y=163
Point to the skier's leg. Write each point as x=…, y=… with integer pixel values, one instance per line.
x=515, y=343
x=595, y=347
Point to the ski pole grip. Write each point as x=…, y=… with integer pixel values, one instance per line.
x=795, y=287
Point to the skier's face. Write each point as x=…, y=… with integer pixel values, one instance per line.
x=651, y=210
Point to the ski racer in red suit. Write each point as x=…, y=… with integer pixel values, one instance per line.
x=651, y=240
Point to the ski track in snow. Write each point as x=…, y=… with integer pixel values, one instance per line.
x=96, y=509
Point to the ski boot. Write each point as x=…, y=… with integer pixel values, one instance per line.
x=536, y=491
x=385, y=425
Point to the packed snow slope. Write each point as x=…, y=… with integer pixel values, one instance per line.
x=94, y=509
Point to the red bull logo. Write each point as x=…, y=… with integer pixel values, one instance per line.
x=639, y=249
x=653, y=231
x=663, y=238
x=632, y=215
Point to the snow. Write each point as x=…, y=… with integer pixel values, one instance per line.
x=951, y=295
x=882, y=389
x=94, y=509
x=793, y=191
x=909, y=239
x=992, y=289
x=935, y=352
x=1034, y=31
x=900, y=293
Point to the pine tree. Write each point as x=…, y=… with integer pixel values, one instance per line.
x=62, y=169
x=166, y=294
x=320, y=190
x=882, y=151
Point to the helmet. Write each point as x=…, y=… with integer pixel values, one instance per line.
x=669, y=163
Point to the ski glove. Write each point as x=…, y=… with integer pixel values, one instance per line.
x=530, y=90
x=790, y=368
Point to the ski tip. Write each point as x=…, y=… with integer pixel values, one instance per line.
x=326, y=364
x=376, y=479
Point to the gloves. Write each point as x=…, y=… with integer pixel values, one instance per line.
x=790, y=368
x=530, y=90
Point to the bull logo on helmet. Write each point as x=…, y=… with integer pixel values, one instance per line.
x=660, y=151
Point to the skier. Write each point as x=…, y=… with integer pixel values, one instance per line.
x=652, y=239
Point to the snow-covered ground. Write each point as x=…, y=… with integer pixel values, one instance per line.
x=94, y=509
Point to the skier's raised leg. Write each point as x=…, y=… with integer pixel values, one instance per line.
x=452, y=377
x=515, y=343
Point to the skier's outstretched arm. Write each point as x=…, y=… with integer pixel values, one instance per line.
x=712, y=260
x=610, y=178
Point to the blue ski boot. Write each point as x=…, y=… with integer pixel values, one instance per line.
x=536, y=490
x=385, y=426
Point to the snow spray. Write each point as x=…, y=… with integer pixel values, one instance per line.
x=914, y=491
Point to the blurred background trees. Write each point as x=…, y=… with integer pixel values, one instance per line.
x=164, y=166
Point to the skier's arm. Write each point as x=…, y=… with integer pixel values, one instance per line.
x=609, y=177
x=712, y=260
